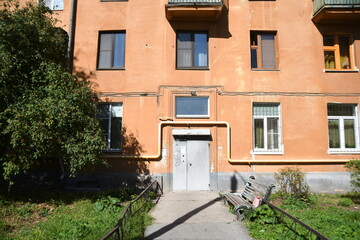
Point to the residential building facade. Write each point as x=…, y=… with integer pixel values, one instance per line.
x=204, y=93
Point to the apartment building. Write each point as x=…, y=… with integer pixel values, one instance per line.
x=204, y=93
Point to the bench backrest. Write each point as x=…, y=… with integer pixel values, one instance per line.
x=255, y=189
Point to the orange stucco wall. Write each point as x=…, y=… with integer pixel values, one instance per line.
x=150, y=59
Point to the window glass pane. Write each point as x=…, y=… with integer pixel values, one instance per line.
x=334, y=134
x=105, y=54
x=104, y=124
x=184, y=58
x=272, y=133
x=329, y=58
x=58, y=4
x=184, y=40
x=265, y=109
x=191, y=106
x=115, y=139
x=328, y=40
x=268, y=50
x=349, y=130
x=184, y=50
x=102, y=111
x=254, y=58
x=116, y=110
x=49, y=3
x=201, y=50
x=259, y=133
x=119, y=52
x=341, y=110
x=344, y=52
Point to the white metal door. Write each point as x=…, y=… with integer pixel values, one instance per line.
x=191, y=169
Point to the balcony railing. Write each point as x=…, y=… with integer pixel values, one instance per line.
x=336, y=10
x=318, y=4
x=195, y=2
x=194, y=10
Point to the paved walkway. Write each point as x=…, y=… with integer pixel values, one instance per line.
x=194, y=215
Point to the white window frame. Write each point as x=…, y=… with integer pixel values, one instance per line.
x=343, y=149
x=266, y=150
x=193, y=116
x=108, y=140
x=51, y=4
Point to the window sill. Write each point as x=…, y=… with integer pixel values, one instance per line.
x=264, y=69
x=193, y=68
x=264, y=152
x=193, y=116
x=343, y=152
x=356, y=70
x=110, y=69
x=111, y=151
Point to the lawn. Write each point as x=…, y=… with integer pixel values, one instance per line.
x=336, y=216
x=57, y=214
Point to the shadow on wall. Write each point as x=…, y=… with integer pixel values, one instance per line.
x=234, y=181
x=217, y=29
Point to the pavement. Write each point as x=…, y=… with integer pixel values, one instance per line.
x=194, y=215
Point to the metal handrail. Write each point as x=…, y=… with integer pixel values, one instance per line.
x=118, y=232
x=309, y=229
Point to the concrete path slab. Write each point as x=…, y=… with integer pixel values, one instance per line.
x=194, y=215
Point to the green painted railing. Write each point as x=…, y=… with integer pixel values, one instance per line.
x=319, y=4
x=203, y=2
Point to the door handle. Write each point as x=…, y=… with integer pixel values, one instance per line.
x=190, y=164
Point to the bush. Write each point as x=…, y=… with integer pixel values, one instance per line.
x=354, y=167
x=291, y=181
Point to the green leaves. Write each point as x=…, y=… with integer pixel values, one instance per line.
x=45, y=112
x=354, y=167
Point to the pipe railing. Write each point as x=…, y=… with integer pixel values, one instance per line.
x=293, y=228
x=136, y=205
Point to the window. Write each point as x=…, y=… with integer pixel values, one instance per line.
x=110, y=117
x=192, y=107
x=267, y=128
x=192, y=50
x=343, y=127
x=54, y=4
x=337, y=52
x=111, y=50
x=263, y=50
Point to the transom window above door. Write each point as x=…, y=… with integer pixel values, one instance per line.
x=192, y=107
x=192, y=50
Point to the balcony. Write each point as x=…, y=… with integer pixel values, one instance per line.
x=194, y=10
x=336, y=11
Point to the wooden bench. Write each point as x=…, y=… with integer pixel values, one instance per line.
x=254, y=195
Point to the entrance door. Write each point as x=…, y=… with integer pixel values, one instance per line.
x=191, y=167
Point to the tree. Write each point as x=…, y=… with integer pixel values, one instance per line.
x=45, y=111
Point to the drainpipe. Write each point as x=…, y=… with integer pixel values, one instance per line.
x=72, y=28
x=222, y=123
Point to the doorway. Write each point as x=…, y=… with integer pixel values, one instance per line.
x=191, y=164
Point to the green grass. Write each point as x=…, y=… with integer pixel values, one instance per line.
x=62, y=215
x=334, y=216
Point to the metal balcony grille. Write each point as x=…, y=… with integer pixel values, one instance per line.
x=318, y=4
x=195, y=2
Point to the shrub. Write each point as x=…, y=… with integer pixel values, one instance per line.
x=354, y=167
x=345, y=202
x=292, y=181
